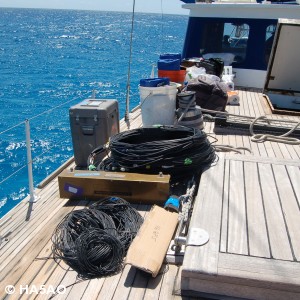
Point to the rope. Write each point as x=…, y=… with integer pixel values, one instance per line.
x=228, y=148
x=260, y=138
x=186, y=201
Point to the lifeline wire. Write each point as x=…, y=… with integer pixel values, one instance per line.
x=93, y=241
x=172, y=150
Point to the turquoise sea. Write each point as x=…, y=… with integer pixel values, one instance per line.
x=55, y=59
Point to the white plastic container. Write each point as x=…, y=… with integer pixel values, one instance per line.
x=158, y=104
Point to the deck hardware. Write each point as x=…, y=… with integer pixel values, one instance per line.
x=197, y=237
x=3, y=240
x=186, y=205
x=178, y=243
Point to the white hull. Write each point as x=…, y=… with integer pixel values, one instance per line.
x=249, y=78
x=252, y=10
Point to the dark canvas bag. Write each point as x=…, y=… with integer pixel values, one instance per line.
x=210, y=94
x=213, y=66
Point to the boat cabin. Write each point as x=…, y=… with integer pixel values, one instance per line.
x=240, y=34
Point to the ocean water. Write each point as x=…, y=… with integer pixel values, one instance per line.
x=53, y=59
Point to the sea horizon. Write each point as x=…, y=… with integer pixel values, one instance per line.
x=56, y=58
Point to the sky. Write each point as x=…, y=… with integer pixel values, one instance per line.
x=151, y=6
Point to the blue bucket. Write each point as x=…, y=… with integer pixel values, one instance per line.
x=170, y=56
x=168, y=64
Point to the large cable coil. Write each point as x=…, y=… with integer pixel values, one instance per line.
x=126, y=219
x=94, y=240
x=172, y=150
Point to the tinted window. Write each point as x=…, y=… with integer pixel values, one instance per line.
x=269, y=37
x=225, y=38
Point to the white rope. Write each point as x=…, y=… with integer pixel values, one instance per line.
x=186, y=201
x=284, y=138
x=260, y=138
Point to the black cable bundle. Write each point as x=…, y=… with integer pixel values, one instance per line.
x=99, y=253
x=93, y=241
x=173, y=150
x=126, y=219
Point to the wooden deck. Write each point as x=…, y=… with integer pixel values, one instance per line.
x=248, y=204
x=250, y=208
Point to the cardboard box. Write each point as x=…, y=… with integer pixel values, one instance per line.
x=149, y=248
x=133, y=187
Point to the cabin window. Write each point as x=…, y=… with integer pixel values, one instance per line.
x=269, y=37
x=225, y=38
x=241, y=38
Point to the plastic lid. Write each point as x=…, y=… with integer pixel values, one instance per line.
x=154, y=82
x=170, y=56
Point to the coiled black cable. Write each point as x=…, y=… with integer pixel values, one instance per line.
x=173, y=150
x=126, y=219
x=94, y=240
x=99, y=253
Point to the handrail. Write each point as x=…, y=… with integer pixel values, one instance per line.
x=30, y=160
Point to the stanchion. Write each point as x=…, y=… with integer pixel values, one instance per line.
x=33, y=197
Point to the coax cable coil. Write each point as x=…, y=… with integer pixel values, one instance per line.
x=173, y=150
x=94, y=240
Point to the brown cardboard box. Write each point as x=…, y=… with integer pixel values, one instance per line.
x=135, y=188
x=149, y=248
